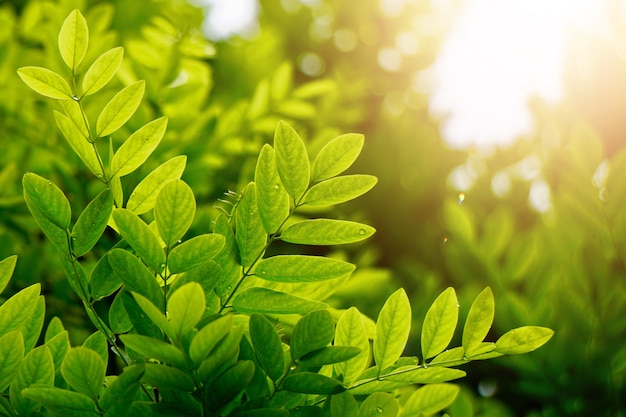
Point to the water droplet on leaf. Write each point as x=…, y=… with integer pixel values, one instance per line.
x=362, y=232
x=293, y=367
x=379, y=410
x=276, y=186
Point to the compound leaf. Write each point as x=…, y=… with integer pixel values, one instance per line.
x=120, y=108
x=392, y=329
x=326, y=232
x=440, y=323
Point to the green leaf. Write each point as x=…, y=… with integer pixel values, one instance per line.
x=302, y=268
x=17, y=310
x=91, y=223
x=478, y=322
x=421, y=375
x=292, y=160
x=74, y=112
x=350, y=331
x=138, y=147
x=250, y=234
x=185, y=307
x=311, y=383
x=272, y=199
x=97, y=342
x=174, y=211
x=430, y=399
x=329, y=355
x=228, y=258
x=379, y=404
x=103, y=281
x=523, y=340
x=102, y=70
x=267, y=301
x=49, y=207
x=313, y=331
x=339, y=190
x=155, y=315
x=61, y=401
x=392, y=329
x=144, y=196
x=230, y=384
x=78, y=142
x=440, y=323
x=267, y=346
x=45, y=82
x=135, y=276
x=195, y=252
x=84, y=370
x=337, y=156
x=76, y=276
x=208, y=337
x=282, y=81
x=326, y=232
x=7, y=266
x=343, y=405
x=11, y=355
x=120, y=108
x=73, y=39
x=37, y=368
x=152, y=348
x=166, y=377
x=59, y=345
x=121, y=392
x=139, y=236
x=31, y=330
x=118, y=316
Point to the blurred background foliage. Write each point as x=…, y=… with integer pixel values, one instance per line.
x=540, y=220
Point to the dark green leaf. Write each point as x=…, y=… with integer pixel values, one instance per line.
x=166, y=377
x=379, y=404
x=32, y=328
x=350, y=331
x=339, y=190
x=265, y=300
x=120, y=108
x=7, y=266
x=326, y=232
x=313, y=331
x=155, y=315
x=11, y=355
x=272, y=199
x=144, y=196
x=121, y=392
x=135, y=276
x=76, y=276
x=267, y=346
x=195, y=252
x=59, y=345
x=152, y=348
x=337, y=156
x=208, y=337
x=185, y=307
x=37, y=368
x=302, y=268
x=138, y=147
x=420, y=375
x=228, y=258
x=79, y=143
x=61, y=401
x=45, y=82
x=222, y=356
x=139, y=236
x=102, y=70
x=118, y=317
x=431, y=399
x=250, y=234
x=523, y=340
x=91, y=223
x=229, y=384
x=311, y=383
x=84, y=370
x=440, y=323
x=392, y=329
x=103, y=281
x=292, y=160
x=97, y=342
x=73, y=39
x=329, y=355
x=478, y=321
x=174, y=211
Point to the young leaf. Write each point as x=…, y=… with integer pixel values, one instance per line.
x=45, y=82
x=102, y=70
x=152, y=348
x=195, y=252
x=292, y=160
x=73, y=39
x=229, y=384
x=7, y=266
x=339, y=190
x=267, y=301
x=166, y=377
x=208, y=337
x=311, y=383
x=121, y=392
x=185, y=307
x=267, y=346
x=120, y=108
x=91, y=223
x=144, y=196
x=17, y=310
x=62, y=402
x=313, y=331
x=478, y=321
x=326, y=232
x=174, y=211
x=430, y=399
x=138, y=147
x=272, y=199
x=329, y=355
x=379, y=404
x=439, y=323
x=155, y=315
x=103, y=281
x=78, y=142
x=337, y=156
x=351, y=331
x=250, y=234
x=11, y=355
x=84, y=370
x=523, y=340
x=139, y=236
x=135, y=276
x=37, y=368
x=302, y=268
x=392, y=329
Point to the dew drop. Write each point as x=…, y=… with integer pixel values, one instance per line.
x=73, y=237
x=276, y=186
x=293, y=367
x=229, y=288
x=362, y=232
x=425, y=365
x=465, y=358
x=379, y=410
x=162, y=266
x=75, y=98
x=49, y=182
x=461, y=198
x=458, y=305
x=263, y=272
x=179, y=241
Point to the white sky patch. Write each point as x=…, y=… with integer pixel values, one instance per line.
x=226, y=18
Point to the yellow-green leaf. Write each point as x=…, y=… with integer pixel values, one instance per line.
x=73, y=39
x=45, y=82
x=392, y=329
x=439, y=323
x=138, y=147
x=120, y=108
x=102, y=70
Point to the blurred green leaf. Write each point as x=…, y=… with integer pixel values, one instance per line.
x=326, y=232
x=7, y=266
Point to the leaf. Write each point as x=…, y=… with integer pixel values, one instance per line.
x=195, y=252
x=61, y=401
x=84, y=370
x=523, y=340
x=343, y=405
x=208, y=337
x=78, y=142
x=11, y=355
x=439, y=323
x=152, y=348
x=302, y=268
x=392, y=329
x=250, y=234
x=174, y=211
x=228, y=258
x=120, y=108
x=337, y=156
x=121, y=392
x=430, y=399
x=339, y=190
x=118, y=317
x=185, y=307
x=49, y=207
x=76, y=276
x=272, y=199
x=103, y=281
x=230, y=384
x=91, y=223
x=17, y=310
x=267, y=346
x=97, y=342
x=326, y=232
x=31, y=330
x=144, y=196
x=73, y=39
x=265, y=300
x=329, y=355
x=312, y=383
x=7, y=266
x=421, y=375
x=379, y=404
x=37, y=368
x=135, y=276
x=139, y=236
x=102, y=70
x=138, y=147
x=313, y=331
x=292, y=160
x=45, y=82
x=350, y=331
x=155, y=315
x=59, y=345
x=166, y=377
x=478, y=322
